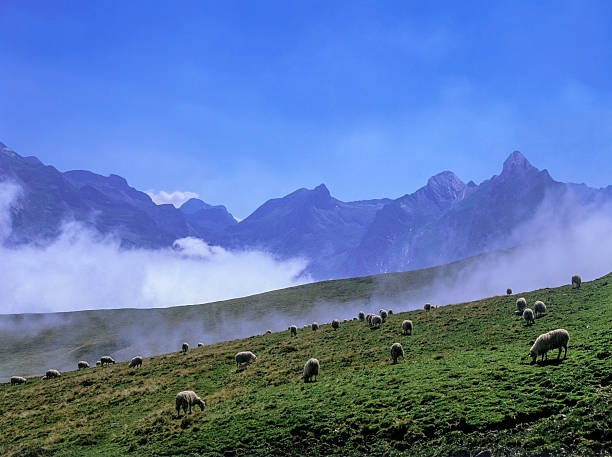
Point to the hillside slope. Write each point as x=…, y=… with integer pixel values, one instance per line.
x=465, y=384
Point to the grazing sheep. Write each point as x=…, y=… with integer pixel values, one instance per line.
x=52, y=374
x=427, y=307
x=390, y=312
x=376, y=321
x=361, y=315
x=396, y=351
x=540, y=308
x=335, y=324
x=185, y=347
x=106, y=360
x=555, y=339
x=314, y=326
x=136, y=362
x=18, y=380
x=521, y=304
x=576, y=281
x=186, y=400
x=383, y=315
x=508, y=291
x=369, y=317
x=311, y=370
x=268, y=332
x=245, y=357
x=200, y=345
x=528, y=316
x=407, y=327
x=293, y=330
x=82, y=364
x=98, y=363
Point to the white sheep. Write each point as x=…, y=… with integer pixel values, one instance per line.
x=186, y=400
x=407, y=327
x=369, y=317
x=555, y=339
x=200, y=345
x=135, y=362
x=427, y=306
x=82, y=364
x=98, y=363
x=311, y=370
x=396, y=351
x=52, y=374
x=576, y=281
x=390, y=312
x=361, y=316
x=314, y=326
x=106, y=360
x=268, y=332
x=540, y=308
x=293, y=330
x=383, y=315
x=335, y=324
x=376, y=321
x=185, y=347
x=521, y=304
x=18, y=380
x=528, y=316
x=245, y=357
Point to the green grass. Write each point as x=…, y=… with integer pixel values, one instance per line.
x=464, y=385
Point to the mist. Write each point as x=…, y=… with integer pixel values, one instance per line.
x=82, y=269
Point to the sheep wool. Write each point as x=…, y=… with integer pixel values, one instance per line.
x=82, y=364
x=136, y=362
x=540, y=308
x=244, y=357
x=185, y=400
x=396, y=351
x=18, y=380
x=555, y=339
x=576, y=281
x=407, y=327
x=521, y=304
x=528, y=316
x=311, y=370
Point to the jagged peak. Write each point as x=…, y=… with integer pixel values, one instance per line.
x=194, y=205
x=444, y=180
x=516, y=162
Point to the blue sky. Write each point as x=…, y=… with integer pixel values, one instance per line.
x=240, y=102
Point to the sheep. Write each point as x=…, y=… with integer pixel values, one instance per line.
x=521, y=304
x=314, y=326
x=200, y=345
x=268, y=332
x=427, y=307
x=186, y=399
x=407, y=327
x=396, y=351
x=555, y=339
x=185, y=347
x=508, y=291
x=383, y=315
x=82, y=364
x=293, y=330
x=52, y=374
x=540, y=308
x=369, y=317
x=246, y=357
x=528, y=316
x=18, y=380
x=576, y=281
x=361, y=316
x=135, y=362
x=311, y=370
x=98, y=363
x=106, y=360
x=335, y=324
x=390, y=312
x=376, y=321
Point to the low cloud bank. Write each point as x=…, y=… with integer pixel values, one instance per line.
x=83, y=270
x=176, y=198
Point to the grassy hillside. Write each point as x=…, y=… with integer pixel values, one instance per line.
x=32, y=343
x=465, y=385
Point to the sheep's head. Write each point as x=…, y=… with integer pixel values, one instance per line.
x=200, y=402
x=533, y=356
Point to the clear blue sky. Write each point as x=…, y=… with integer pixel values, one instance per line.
x=245, y=101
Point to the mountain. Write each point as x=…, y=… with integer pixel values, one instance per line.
x=443, y=221
x=106, y=204
x=307, y=223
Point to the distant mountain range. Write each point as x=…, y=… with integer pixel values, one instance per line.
x=443, y=221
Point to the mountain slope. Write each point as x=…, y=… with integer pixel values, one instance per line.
x=465, y=384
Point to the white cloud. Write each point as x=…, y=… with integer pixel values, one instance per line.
x=176, y=198
x=83, y=270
